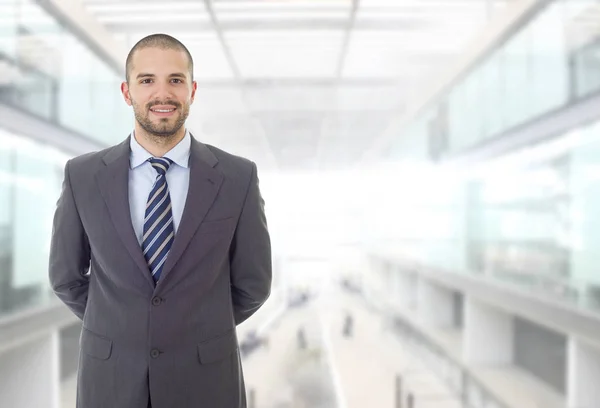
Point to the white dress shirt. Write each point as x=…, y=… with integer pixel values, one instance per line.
x=142, y=177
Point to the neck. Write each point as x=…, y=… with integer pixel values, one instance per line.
x=157, y=146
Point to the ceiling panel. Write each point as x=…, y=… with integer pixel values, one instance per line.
x=380, y=98
x=289, y=98
x=299, y=54
x=107, y=9
x=401, y=55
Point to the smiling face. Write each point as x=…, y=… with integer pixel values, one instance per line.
x=160, y=90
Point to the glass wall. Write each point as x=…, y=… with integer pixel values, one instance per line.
x=46, y=70
x=30, y=182
x=530, y=218
x=586, y=63
x=537, y=224
x=8, y=27
x=584, y=44
x=523, y=78
x=550, y=62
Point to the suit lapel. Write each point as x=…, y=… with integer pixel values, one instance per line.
x=113, y=182
x=205, y=182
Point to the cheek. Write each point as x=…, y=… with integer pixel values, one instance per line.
x=185, y=96
x=138, y=102
x=139, y=96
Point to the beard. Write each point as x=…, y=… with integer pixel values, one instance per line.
x=165, y=127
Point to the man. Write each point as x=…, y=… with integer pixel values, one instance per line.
x=160, y=246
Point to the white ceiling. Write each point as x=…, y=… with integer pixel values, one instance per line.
x=303, y=84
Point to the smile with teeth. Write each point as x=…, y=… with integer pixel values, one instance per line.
x=163, y=110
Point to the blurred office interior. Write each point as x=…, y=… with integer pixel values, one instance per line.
x=431, y=172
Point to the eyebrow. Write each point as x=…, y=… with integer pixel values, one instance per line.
x=175, y=75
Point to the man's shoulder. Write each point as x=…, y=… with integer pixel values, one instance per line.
x=91, y=158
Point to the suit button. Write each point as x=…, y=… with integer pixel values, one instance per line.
x=154, y=353
x=156, y=301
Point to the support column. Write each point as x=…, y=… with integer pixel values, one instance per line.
x=583, y=375
x=434, y=304
x=488, y=334
x=406, y=289
x=30, y=374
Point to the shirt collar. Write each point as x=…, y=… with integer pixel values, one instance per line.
x=180, y=153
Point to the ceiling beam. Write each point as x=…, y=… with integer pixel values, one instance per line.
x=347, y=35
x=219, y=31
x=300, y=82
x=395, y=24
x=292, y=7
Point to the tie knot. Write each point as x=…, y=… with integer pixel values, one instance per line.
x=160, y=164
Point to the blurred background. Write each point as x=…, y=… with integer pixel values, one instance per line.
x=431, y=171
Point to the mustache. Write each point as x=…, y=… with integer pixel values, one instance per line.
x=167, y=102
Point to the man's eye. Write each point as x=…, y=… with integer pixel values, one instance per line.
x=177, y=81
x=145, y=81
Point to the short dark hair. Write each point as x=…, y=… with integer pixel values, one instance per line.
x=162, y=41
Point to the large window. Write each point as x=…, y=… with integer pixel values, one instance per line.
x=530, y=218
x=538, y=224
x=30, y=182
x=583, y=42
x=48, y=71
x=8, y=27
x=586, y=63
x=551, y=61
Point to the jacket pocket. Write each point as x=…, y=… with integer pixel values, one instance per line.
x=95, y=345
x=217, y=348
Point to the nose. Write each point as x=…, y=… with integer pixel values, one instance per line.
x=163, y=92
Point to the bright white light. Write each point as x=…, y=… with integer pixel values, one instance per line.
x=282, y=16
x=165, y=7
x=458, y=15
x=282, y=5
x=155, y=17
x=259, y=36
x=399, y=4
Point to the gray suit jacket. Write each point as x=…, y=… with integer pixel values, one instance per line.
x=176, y=341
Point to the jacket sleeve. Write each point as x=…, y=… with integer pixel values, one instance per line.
x=69, y=252
x=250, y=255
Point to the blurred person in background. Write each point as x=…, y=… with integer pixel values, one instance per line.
x=160, y=245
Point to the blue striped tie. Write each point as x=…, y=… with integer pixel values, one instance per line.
x=159, y=232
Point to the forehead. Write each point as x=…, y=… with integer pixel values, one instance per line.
x=159, y=59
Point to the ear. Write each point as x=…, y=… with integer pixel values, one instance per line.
x=194, y=88
x=125, y=92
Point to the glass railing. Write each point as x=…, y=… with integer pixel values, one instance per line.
x=471, y=392
x=459, y=378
